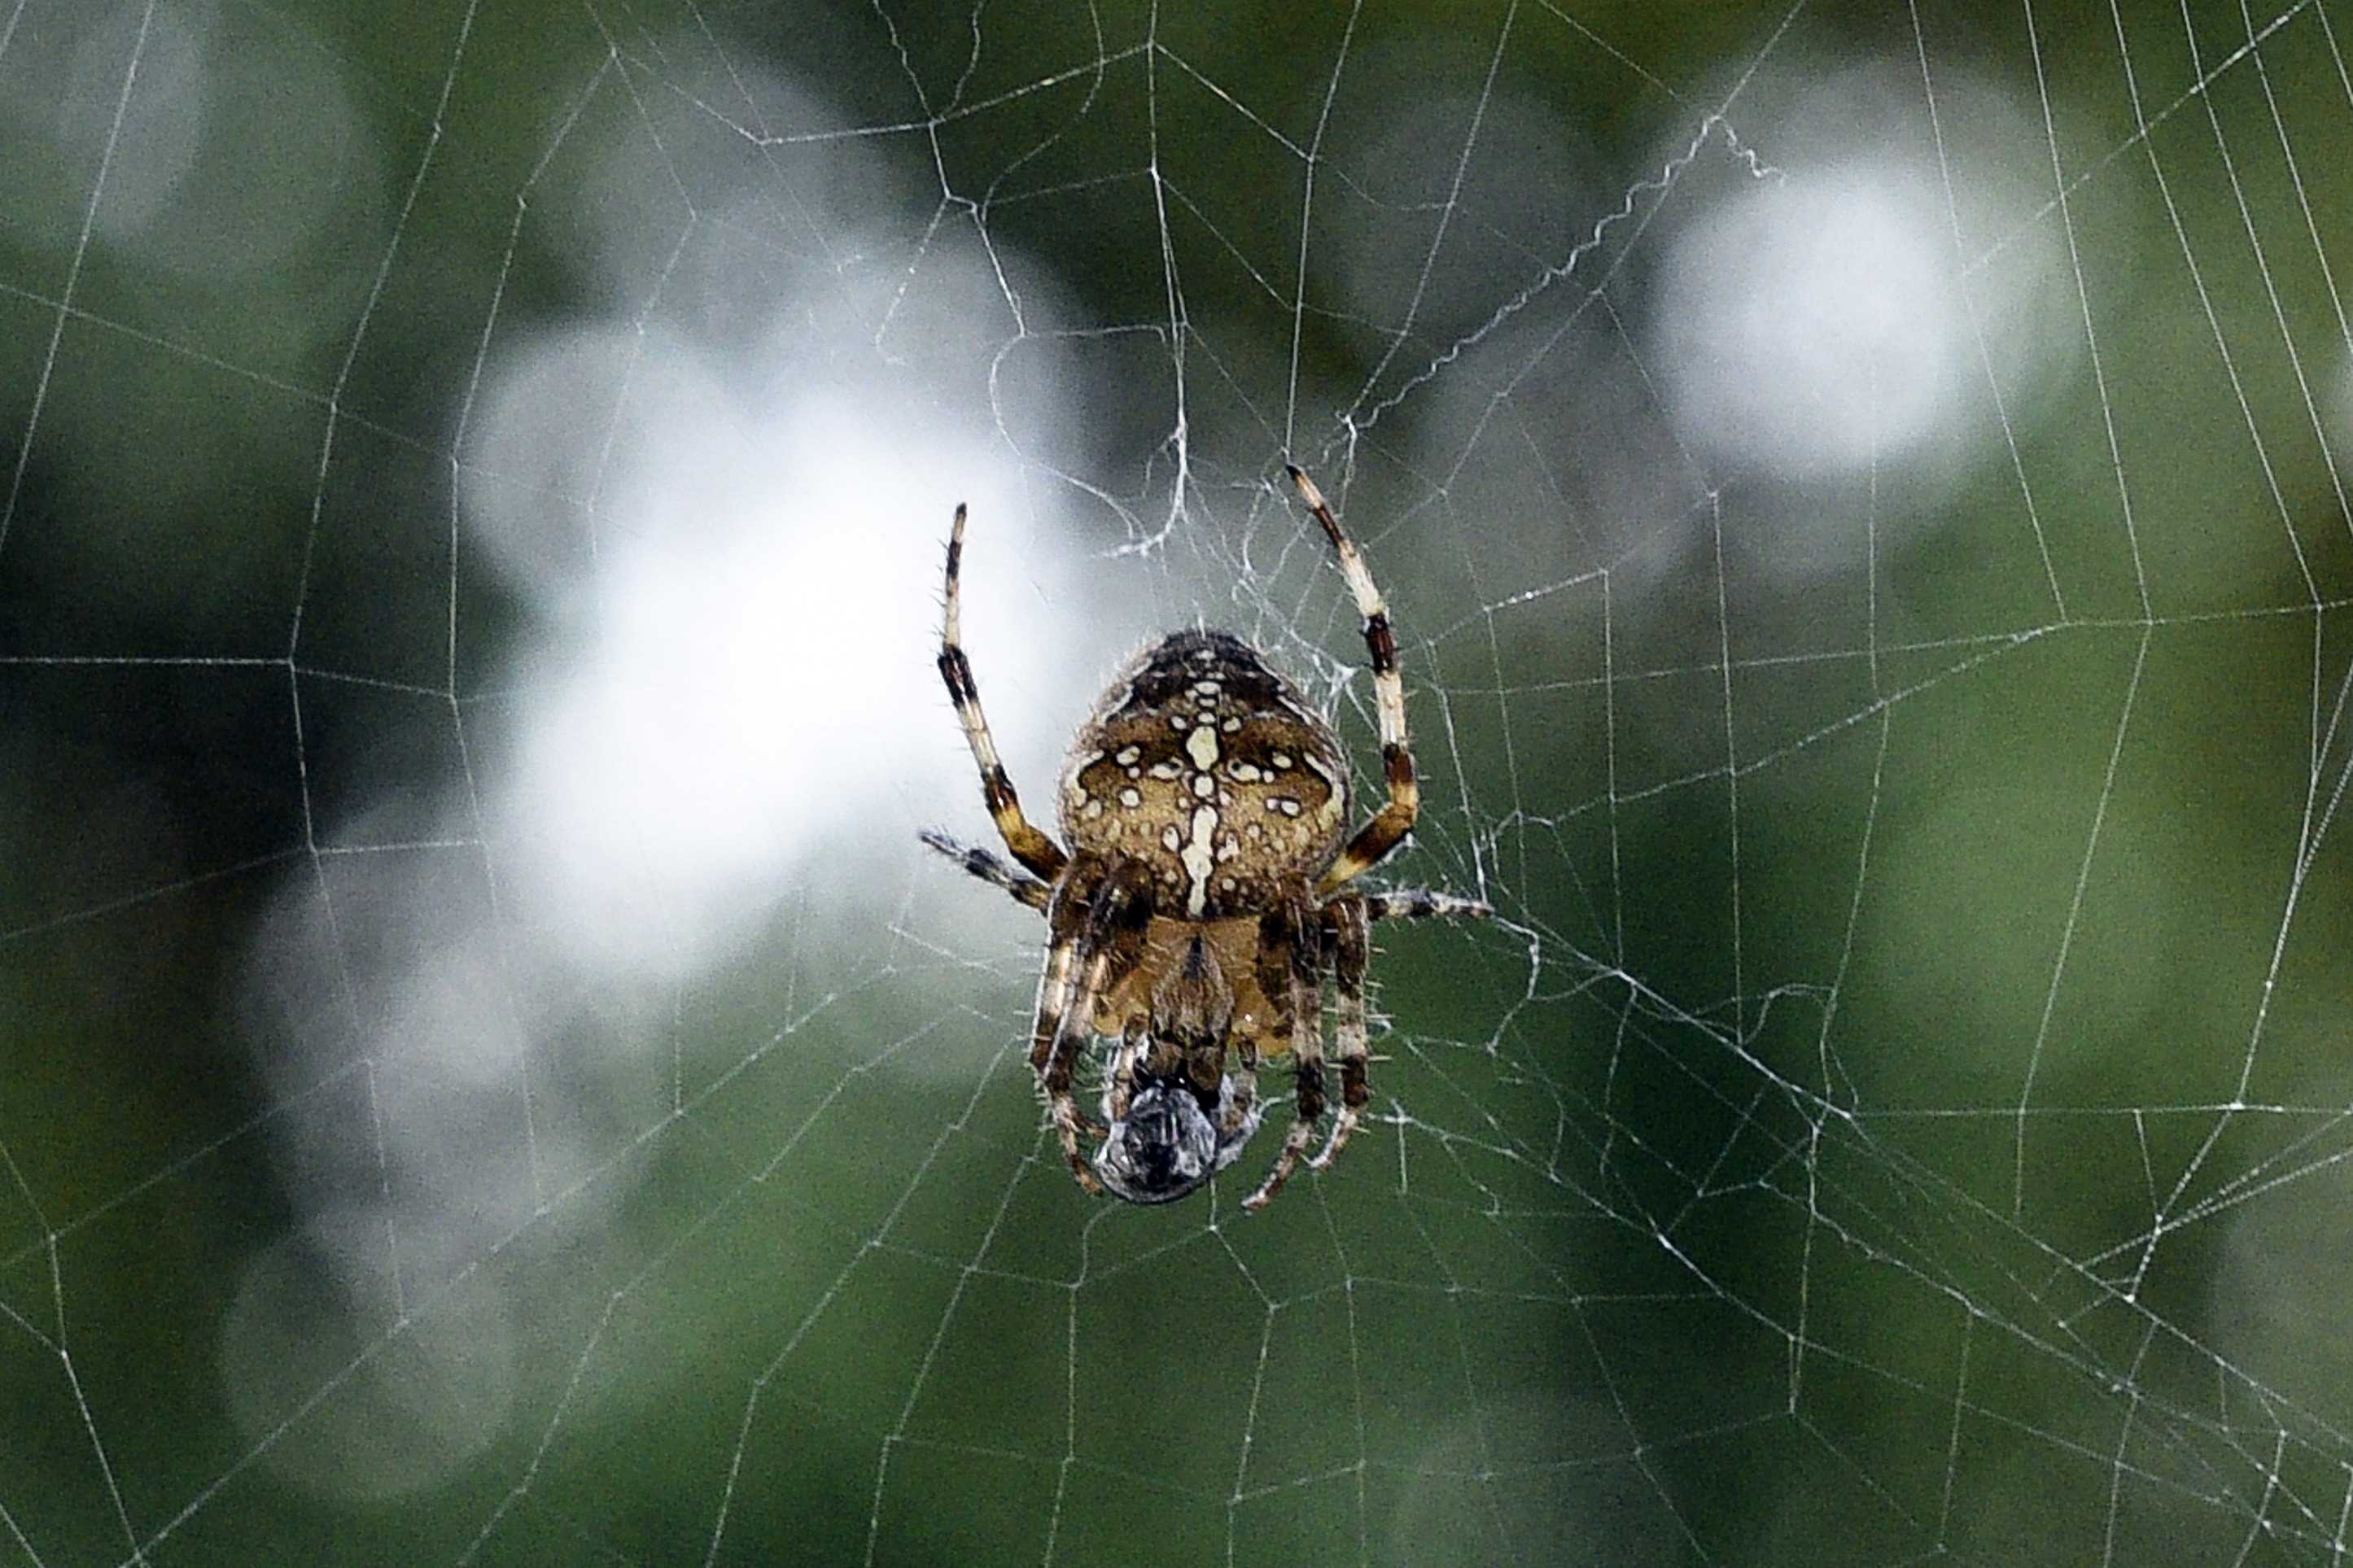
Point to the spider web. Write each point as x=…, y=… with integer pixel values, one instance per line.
x=487, y=1075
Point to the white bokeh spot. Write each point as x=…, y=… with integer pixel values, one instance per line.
x=1813, y=327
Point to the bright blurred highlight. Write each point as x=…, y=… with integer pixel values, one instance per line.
x=1828, y=319
x=1812, y=329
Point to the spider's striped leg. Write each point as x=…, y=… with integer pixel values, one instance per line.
x=1389, y=827
x=1348, y=926
x=1029, y=845
x=980, y=863
x=1238, y=1111
x=1133, y=1043
x=1062, y=1062
x=1421, y=903
x=1097, y=907
x=1289, y=974
x=1241, y=1112
x=1094, y=946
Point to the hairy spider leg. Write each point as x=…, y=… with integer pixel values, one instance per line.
x=1290, y=973
x=1135, y=1041
x=1100, y=941
x=1348, y=927
x=1026, y=890
x=1419, y=904
x=1245, y=1100
x=1029, y=843
x=1389, y=825
x=1069, y=1122
x=1053, y=1000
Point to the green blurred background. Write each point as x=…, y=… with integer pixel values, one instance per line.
x=487, y=1074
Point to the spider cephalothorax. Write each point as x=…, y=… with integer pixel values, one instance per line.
x=1205, y=896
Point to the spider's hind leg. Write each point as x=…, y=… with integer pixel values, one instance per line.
x=1347, y=922
x=1098, y=939
x=1348, y=925
x=1290, y=973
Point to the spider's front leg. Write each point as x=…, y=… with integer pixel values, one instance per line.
x=1029, y=845
x=1396, y=818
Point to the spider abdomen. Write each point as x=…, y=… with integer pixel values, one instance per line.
x=1213, y=771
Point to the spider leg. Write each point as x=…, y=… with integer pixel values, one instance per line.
x=1095, y=944
x=1030, y=846
x=1418, y=903
x=1244, y=1106
x=1133, y=1043
x=1245, y=1102
x=1061, y=1060
x=1287, y=972
x=1389, y=825
x=1025, y=889
x=1347, y=924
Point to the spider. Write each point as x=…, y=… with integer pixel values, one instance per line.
x=1206, y=895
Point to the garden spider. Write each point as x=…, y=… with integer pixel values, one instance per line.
x=1205, y=896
